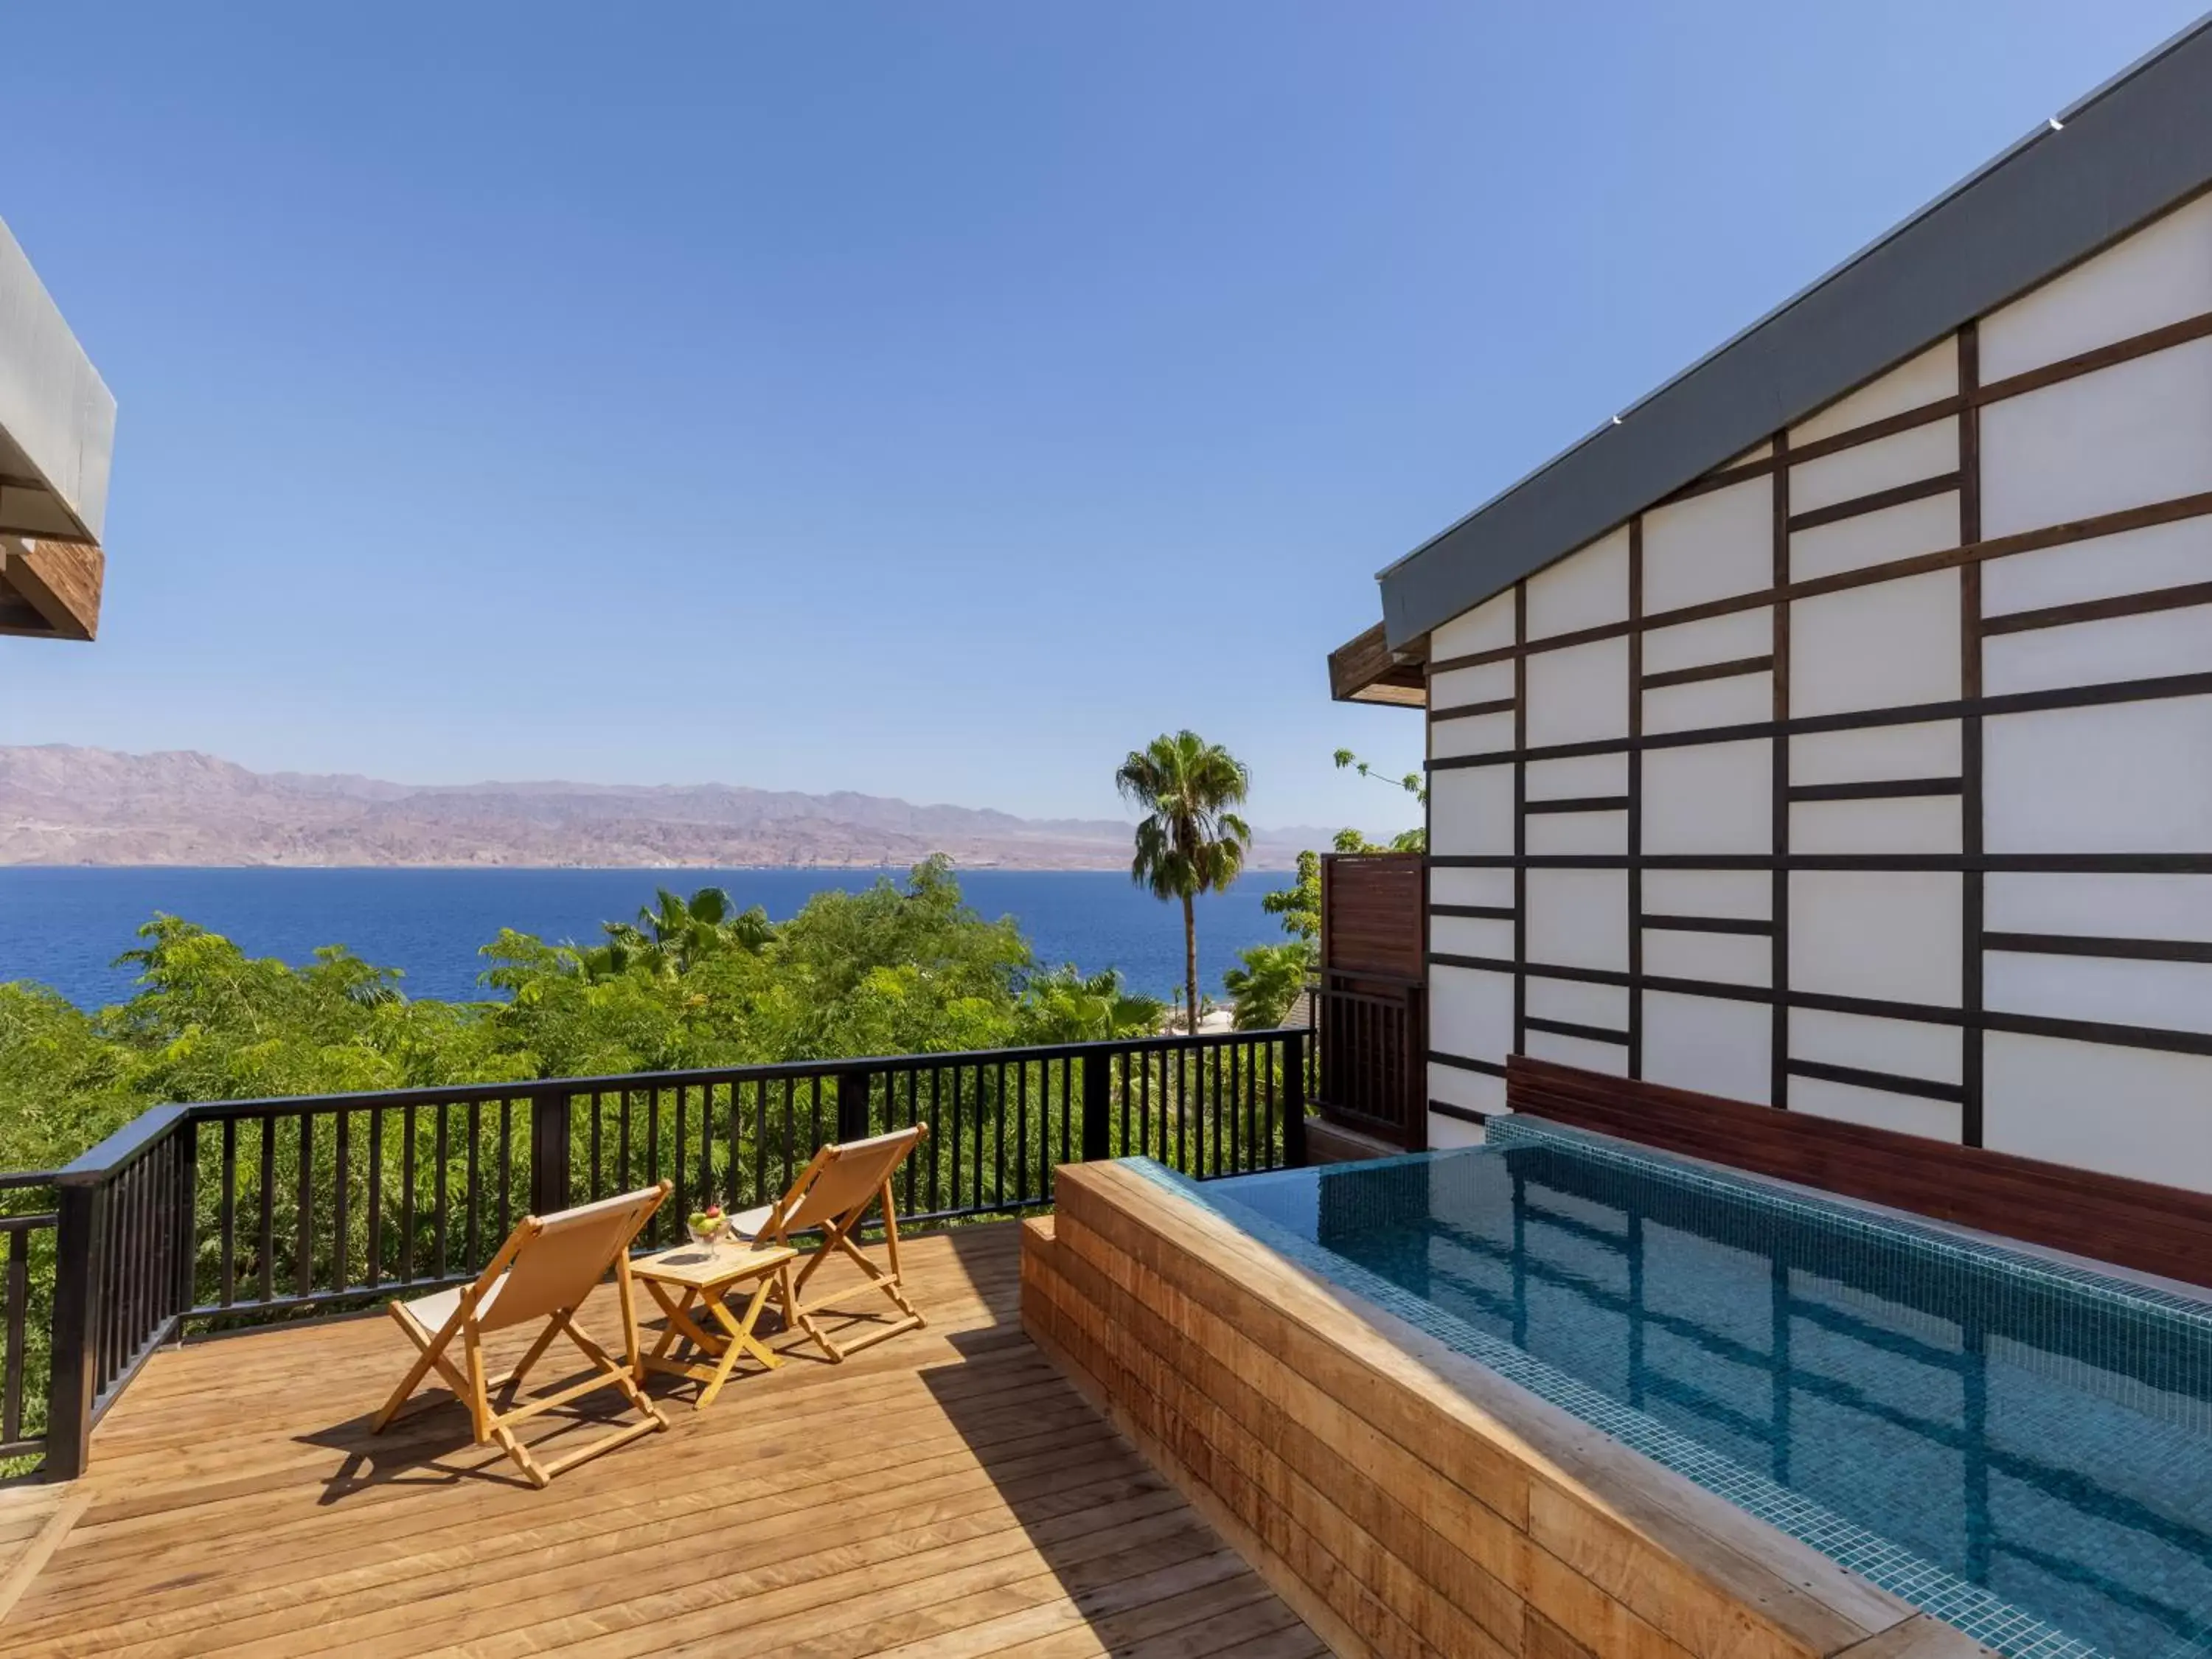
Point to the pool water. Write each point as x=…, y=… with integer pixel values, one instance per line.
x=2016, y=1446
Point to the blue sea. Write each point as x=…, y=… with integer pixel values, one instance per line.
x=66, y=926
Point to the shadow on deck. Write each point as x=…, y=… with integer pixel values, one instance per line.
x=947, y=1492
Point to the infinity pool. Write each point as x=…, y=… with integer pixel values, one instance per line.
x=2017, y=1447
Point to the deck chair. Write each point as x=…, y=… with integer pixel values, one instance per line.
x=833, y=1195
x=544, y=1271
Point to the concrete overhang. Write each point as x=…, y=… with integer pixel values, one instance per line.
x=57, y=440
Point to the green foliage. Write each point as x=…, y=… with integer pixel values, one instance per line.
x=1268, y=983
x=1063, y=1007
x=1189, y=840
x=1299, y=904
x=1406, y=840
x=901, y=967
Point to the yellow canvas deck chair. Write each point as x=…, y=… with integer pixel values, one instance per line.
x=834, y=1194
x=544, y=1271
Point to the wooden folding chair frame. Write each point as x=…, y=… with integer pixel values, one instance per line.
x=837, y=1232
x=470, y=1385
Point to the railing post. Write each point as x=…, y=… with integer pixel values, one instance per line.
x=549, y=1151
x=853, y=1121
x=1415, y=1064
x=1097, y=1107
x=1294, y=1099
x=76, y=1376
x=188, y=1217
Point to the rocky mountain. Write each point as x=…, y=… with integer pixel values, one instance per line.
x=67, y=805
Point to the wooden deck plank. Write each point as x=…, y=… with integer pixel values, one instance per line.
x=944, y=1492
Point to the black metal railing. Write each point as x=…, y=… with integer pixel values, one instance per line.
x=196, y=1217
x=1369, y=1059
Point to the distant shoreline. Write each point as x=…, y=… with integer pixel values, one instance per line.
x=489, y=867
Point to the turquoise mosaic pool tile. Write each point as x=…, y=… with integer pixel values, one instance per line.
x=1927, y=1357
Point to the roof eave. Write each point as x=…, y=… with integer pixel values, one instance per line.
x=2136, y=147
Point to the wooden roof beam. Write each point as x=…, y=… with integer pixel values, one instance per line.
x=50, y=590
x=1365, y=670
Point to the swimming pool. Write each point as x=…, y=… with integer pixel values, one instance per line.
x=2015, y=1446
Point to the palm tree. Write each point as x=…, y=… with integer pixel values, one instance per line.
x=1189, y=841
x=672, y=932
x=1268, y=983
x=1065, y=1006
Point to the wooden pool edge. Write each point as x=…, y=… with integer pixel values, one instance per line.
x=1403, y=1500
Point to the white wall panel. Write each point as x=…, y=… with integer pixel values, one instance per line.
x=1455, y=688
x=1553, y=835
x=1706, y=1043
x=1703, y=705
x=2121, y=778
x=1578, y=775
x=1471, y=810
x=1586, y=589
x=2133, y=561
x=1921, y=823
x=1877, y=647
x=1728, y=638
x=1578, y=693
x=2136, y=433
x=1449, y=886
x=2159, y=275
x=1605, y=1006
x=1578, y=918
x=1756, y=452
x=1877, y=753
x=2097, y=652
x=2131, y=1112
x=2145, y=906
x=1710, y=546
x=1909, y=1114
x=2174, y=996
x=1887, y=933
x=1710, y=798
x=1610, y=1058
x=1471, y=936
x=1485, y=627
x=1927, y=379
x=1460, y=1087
x=1903, y=457
x=1447, y=1133
x=1907, y=1048
x=1745, y=893
x=1471, y=1012
x=1730, y=958
x=1904, y=532
x=1470, y=734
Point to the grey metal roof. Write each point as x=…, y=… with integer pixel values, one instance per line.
x=2139, y=145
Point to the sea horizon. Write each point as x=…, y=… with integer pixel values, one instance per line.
x=63, y=925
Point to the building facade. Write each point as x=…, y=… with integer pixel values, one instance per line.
x=1868, y=772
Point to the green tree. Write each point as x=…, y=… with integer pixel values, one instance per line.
x=672, y=934
x=1268, y=983
x=1064, y=1006
x=1189, y=840
x=1406, y=841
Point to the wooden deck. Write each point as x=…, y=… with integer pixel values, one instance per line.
x=946, y=1492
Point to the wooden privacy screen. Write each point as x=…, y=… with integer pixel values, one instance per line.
x=1371, y=905
x=2136, y=1223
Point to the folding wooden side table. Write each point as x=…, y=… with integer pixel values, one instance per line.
x=684, y=1277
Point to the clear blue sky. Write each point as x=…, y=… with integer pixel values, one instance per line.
x=931, y=400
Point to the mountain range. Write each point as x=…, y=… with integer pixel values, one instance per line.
x=60, y=805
